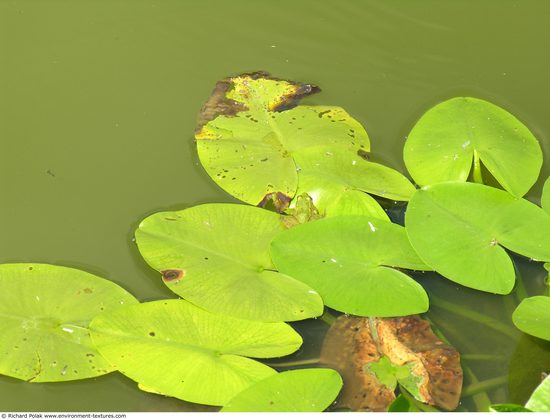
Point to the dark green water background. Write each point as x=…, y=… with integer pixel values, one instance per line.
x=98, y=101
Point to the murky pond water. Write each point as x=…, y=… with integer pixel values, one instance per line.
x=97, y=112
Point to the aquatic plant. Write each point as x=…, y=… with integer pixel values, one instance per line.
x=320, y=238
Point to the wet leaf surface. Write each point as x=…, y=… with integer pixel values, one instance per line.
x=174, y=348
x=305, y=390
x=351, y=261
x=462, y=229
x=441, y=145
x=44, y=317
x=540, y=399
x=217, y=257
x=532, y=316
x=251, y=127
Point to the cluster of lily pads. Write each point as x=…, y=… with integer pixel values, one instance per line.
x=312, y=233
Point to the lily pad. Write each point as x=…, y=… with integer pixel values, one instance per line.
x=444, y=141
x=217, y=257
x=389, y=374
x=532, y=316
x=306, y=390
x=504, y=408
x=351, y=261
x=174, y=348
x=250, y=129
x=545, y=198
x=402, y=404
x=540, y=399
x=45, y=313
x=462, y=229
x=339, y=181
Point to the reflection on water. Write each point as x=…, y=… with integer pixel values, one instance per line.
x=98, y=113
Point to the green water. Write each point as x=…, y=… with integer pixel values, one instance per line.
x=97, y=110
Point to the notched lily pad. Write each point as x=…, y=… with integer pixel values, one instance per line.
x=353, y=261
x=44, y=317
x=462, y=229
x=251, y=127
x=217, y=257
x=441, y=145
x=174, y=348
x=306, y=390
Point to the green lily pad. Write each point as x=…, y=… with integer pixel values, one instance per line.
x=462, y=229
x=389, y=374
x=540, y=399
x=306, y=390
x=350, y=261
x=250, y=129
x=217, y=257
x=532, y=316
x=442, y=144
x=174, y=348
x=503, y=408
x=44, y=317
x=402, y=404
x=337, y=181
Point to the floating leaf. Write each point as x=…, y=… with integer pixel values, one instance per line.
x=442, y=144
x=350, y=261
x=540, y=399
x=217, y=257
x=532, y=316
x=335, y=178
x=461, y=229
x=306, y=390
x=389, y=374
x=545, y=198
x=502, y=408
x=174, y=348
x=45, y=312
x=402, y=404
x=250, y=129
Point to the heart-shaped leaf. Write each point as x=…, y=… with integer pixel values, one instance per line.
x=44, y=317
x=442, y=144
x=350, y=261
x=461, y=229
x=250, y=129
x=307, y=390
x=532, y=316
x=174, y=348
x=217, y=257
x=337, y=181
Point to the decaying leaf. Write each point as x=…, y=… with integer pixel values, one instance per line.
x=352, y=343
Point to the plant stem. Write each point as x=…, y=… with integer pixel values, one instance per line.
x=478, y=178
x=475, y=316
x=482, y=357
x=328, y=318
x=297, y=363
x=483, y=386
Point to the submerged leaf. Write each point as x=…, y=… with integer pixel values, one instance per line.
x=250, y=129
x=461, y=229
x=174, y=348
x=306, y=390
x=441, y=145
x=217, y=257
x=351, y=261
x=532, y=316
x=45, y=313
x=402, y=404
x=389, y=374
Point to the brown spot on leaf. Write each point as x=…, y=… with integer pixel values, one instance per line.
x=87, y=290
x=172, y=275
x=363, y=154
x=275, y=201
